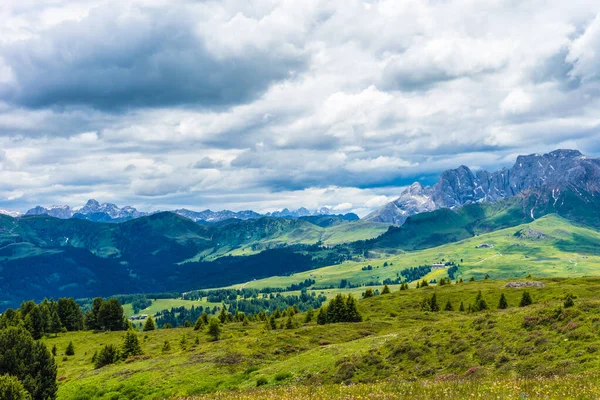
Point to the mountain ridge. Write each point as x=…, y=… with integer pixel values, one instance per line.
x=461, y=186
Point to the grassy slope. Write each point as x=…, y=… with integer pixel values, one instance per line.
x=254, y=236
x=567, y=250
x=396, y=342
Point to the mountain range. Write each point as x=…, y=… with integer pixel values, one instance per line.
x=108, y=212
x=41, y=255
x=556, y=171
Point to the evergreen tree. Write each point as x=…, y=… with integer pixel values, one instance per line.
x=472, y=279
x=131, y=345
x=525, y=299
x=289, y=324
x=480, y=303
x=70, y=314
x=310, y=314
x=569, y=301
x=418, y=285
x=433, y=305
x=205, y=318
x=199, y=325
x=214, y=329
x=12, y=389
x=272, y=322
x=352, y=314
x=70, y=350
x=448, y=306
x=223, y=315
x=92, y=320
x=386, y=290
x=183, y=342
x=54, y=350
x=55, y=324
x=503, y=303
x=111, y=316
x=108, y=355
x=149, y=325
x=368, y=293
x=29, y=361
x=462, y=307
x=322, y=316
x=166, y=347
x=245, y=321
x=34, y=323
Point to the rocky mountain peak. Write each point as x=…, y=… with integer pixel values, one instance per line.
x=460, y=186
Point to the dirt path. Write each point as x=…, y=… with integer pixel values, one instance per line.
x=485, y=259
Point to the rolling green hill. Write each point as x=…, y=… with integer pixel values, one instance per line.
x=551, y=246
x=41, y=256
x=397, y=351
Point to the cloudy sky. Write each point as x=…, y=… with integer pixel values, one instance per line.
x=265, y=104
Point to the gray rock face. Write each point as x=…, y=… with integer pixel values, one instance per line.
x=461, y=186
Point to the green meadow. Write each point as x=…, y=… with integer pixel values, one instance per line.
x=395, y=351
x=548, y=247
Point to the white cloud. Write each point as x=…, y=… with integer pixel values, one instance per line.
x=361, y=99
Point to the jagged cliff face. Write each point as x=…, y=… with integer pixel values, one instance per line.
x=558, y=170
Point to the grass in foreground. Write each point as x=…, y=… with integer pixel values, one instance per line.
x=583, y=386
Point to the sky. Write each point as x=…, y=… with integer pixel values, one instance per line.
x=265, y=104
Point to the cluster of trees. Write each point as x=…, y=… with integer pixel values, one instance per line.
x=106, y=315
x=480, y=304
x=111, y=354
x=179, y=316
x=45, y=318
x=340, y=309
x=415, y=273
x=27, y=368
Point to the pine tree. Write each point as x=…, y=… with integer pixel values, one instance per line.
x=70, y=350
x=149, y=325
x=272, y=322
x=55, y=324
x=108, y=355
x=289, y=323
x=183, y=342
x=433, y=305
x=131, y=345
x=166, y=347
x=569, y=301
x=503, y=303
x=352, y=314
x=214, y=329
x=322, y=316
x=424, y=283
x=472, y=279
x=462, y=307
x=418, y=285
x=448, y=306
x=310, y=314
x=368, y=293
x=386, y=290
x=480, y=303
x=54, y=350
x=245, y=321
x=525, y=299
x=223, y=315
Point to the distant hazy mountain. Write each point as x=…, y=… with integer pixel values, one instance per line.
x=558, y=170
x=9, y=212
x=216, y=216
x=301, y=212
x=108, y=212
x=92, y=211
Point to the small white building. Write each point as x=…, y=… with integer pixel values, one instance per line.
x=438, y=266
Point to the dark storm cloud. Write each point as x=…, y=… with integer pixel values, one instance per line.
x=144, y=58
